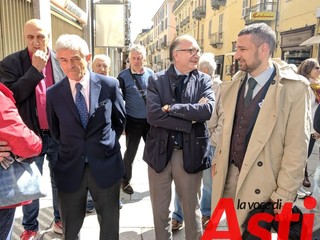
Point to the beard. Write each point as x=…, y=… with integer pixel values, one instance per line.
x=249, y=68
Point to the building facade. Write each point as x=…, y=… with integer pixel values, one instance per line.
x=216, y=23
x=66, y=17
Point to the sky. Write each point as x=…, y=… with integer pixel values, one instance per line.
x=142, y=12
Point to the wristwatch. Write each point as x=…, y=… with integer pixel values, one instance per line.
x=166, y=108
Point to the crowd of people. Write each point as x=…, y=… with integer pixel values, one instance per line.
x=247, y=139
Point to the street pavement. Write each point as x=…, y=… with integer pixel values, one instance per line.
x=136, y=222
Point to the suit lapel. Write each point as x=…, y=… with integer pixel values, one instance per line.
x=229, y=94
x=95, y=88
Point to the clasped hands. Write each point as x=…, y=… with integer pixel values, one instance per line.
x=166, y=108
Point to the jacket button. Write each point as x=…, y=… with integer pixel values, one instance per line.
x=173, y=100
x=257, y=191
x=260, y=164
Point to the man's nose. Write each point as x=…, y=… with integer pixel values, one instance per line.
x=237, y=55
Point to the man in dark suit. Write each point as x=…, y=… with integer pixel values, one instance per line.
x=86, y=116
x=27, y=73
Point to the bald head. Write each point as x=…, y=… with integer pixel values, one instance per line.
x=36, y=35
x=101, y=64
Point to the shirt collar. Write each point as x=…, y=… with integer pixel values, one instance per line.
x=263, y=77
x=179, y=73
x=84, y=81
x=134, y=72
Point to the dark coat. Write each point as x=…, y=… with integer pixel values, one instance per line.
x=98, y=143
x=18, y=74
x=188, y=117
x=316, y=120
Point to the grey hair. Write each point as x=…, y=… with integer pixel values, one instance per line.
x=176, y=42
x=261, y=33
x=138, y=48
x=103, y=57
x=207, y=61
x=72, y=42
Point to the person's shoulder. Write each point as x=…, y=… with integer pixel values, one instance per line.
x=148, y=70
x=105, y=79
x=124, y=73
x=287, y=74
x=160, y=74
x=21, y=54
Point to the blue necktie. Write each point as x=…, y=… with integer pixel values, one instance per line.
x=81, y=106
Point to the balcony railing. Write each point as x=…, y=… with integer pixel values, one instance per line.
x=215, y=4
x=199, y=12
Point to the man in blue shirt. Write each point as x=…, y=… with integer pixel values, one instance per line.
x=133, y=83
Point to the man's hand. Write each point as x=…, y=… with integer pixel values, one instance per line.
x=4, y=150
x=39, y=60
x=315, y=135
x=166, y=108
x=213, y=170
x=203, y=100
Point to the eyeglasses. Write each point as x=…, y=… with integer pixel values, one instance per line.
x=192, y=51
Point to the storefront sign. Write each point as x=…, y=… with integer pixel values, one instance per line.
x=72, y=9
x=262, y=16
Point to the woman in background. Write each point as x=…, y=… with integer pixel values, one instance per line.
x=310, y=69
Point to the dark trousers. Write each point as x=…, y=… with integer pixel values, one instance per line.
x=106, y=202
x=310, y=148
x=135, y=129
x=6, y=223
x=31, y=211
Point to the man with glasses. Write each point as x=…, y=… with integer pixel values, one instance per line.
x=179, y=101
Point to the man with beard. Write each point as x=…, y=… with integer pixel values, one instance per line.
x=265, y=134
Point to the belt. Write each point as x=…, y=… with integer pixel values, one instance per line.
x=177, y=147
x=44, y=132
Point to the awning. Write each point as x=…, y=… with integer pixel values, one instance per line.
x=311, y=41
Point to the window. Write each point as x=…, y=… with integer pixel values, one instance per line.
x=245, y=8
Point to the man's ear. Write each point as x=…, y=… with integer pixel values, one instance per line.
x=88, y=57
x=265, y=49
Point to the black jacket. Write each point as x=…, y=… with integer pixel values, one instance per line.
x=18, y=74
x=316, y=120
x=188, y=117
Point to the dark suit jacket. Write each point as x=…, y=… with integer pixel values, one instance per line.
x=197, y=148
x=98, y=143
x=18, y=74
